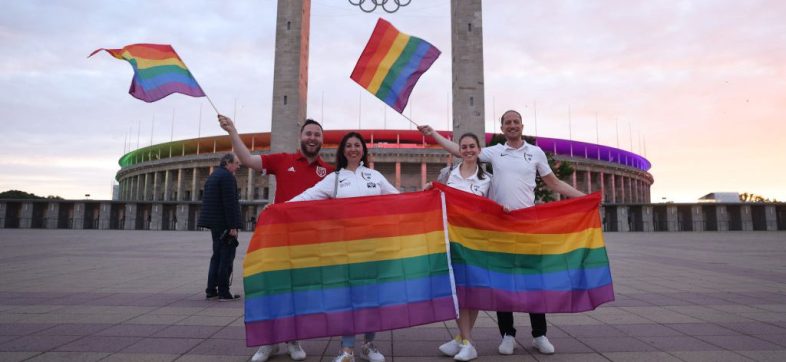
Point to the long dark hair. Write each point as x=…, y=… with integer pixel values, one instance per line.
x=481, y=173
x=341, y=160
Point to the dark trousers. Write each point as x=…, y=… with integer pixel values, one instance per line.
x=505, y=324
x=220, y=265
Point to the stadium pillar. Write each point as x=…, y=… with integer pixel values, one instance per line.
x=423, y=179
x=398, y=175
x=466, y=28
x=194, y=188
x=179, y=196
x=290, y=76
x=250, y=184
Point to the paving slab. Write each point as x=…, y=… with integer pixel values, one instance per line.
x=88, y=295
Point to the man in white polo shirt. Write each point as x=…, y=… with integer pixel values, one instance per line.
x=515, y=164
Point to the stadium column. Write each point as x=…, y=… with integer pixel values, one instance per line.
x=145, y=189
x=466, y=28
x=423, y=178
x=156, y=185
x=398, y=175
x=194, y=189
x=250, y=184
x=179, y=195
x=589, y=181
x=613, y=188
x=132, y=188
x=167, y=186
x=290, y=76
x=602, y=186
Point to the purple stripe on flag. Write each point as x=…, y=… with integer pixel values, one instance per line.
x=164, y=90
x=431, y=55
x=543, y=301
x=349, y=322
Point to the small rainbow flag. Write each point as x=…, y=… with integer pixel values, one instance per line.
x=392, y=63
x=549, y=258
x=347, y=266
x=158, y=71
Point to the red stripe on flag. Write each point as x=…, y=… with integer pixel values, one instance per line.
x=352, y=207
x=378, y=46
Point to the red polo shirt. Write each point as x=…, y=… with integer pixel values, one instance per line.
x=293, y=173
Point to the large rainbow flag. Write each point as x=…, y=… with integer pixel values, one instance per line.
x=549, y=258
x=347, y=266
x=392, y=63
x=158, y=71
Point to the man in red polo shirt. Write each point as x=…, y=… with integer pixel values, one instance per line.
x=294, y=172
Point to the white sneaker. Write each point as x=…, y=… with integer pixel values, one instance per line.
x=507, y=345
x=345, y=357
x=369, y=352
x=543, y=345
x=450, y=348
x=264, y=352
x=296, y=353
x=467, y=352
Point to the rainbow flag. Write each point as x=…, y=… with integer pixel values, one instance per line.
x=549, y=258
x=347, y=266
x=158, y=71
x=392, y=63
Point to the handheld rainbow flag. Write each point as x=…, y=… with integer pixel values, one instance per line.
x=158, y=71
x=347, y=266
x=549, y=258
x=392, y=63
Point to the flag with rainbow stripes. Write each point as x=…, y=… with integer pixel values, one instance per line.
x=550, y=258
x=392, y=63
x=347, y=266
x=158, y=71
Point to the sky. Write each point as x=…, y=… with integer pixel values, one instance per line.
x=697, y=87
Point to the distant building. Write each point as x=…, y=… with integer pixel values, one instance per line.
x=725, y=197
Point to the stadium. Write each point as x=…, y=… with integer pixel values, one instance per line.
x=172, y=174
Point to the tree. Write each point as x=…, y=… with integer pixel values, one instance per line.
x=21, y=195
x=751, y=197
x=561, y=169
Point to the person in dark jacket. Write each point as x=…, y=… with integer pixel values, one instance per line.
x=221, y=214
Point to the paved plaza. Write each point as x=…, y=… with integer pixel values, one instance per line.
x=139, y=296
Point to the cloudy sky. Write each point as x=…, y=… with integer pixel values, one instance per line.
x=698, y=87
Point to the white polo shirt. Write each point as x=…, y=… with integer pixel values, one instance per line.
x=513, y=185
x=470, y=184
x=363, y=182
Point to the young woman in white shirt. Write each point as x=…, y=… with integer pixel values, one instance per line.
x=468, y=176
x=351, y=179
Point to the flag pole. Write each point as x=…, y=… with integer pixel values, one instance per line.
x=211, y=103
x=410, y=120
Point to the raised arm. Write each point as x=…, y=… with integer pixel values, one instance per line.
x=448, y=145
x=557, y=185
x=242, y=152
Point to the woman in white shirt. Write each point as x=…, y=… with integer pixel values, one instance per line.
x=468, y=176
x=351, y=179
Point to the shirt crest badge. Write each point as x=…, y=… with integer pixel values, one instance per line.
x=366, y=175
x=321, y=171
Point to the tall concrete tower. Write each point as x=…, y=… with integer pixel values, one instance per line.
x=290, y=74
x=466, y=27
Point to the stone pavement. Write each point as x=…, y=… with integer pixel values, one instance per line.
x=138, y=296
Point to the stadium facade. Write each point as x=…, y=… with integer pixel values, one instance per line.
x=176, y=171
